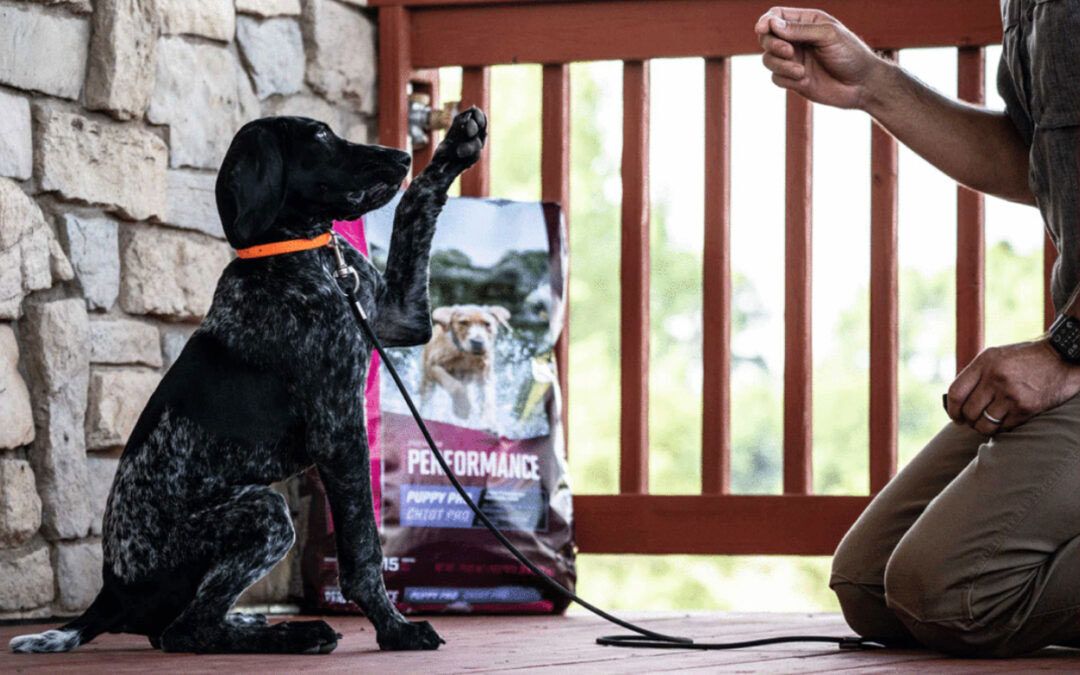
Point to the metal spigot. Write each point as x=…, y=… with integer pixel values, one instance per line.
x=423, y=119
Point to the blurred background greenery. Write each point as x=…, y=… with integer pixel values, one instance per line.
x=841, y=376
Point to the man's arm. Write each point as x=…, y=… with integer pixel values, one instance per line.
x=814, y=55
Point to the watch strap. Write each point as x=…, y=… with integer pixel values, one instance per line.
x=1064, y=336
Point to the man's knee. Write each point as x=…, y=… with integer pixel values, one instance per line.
x=865, y=611
x=857, y=578
x=858, y=558
x=932, y=595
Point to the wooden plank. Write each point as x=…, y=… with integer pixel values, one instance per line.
x=426, y=82
x=1050, y=255
x=970, y=233
x=476, y=90
x=503, y=643
x=833, y=660
x=714, y=524
x=716, y=282
x=394, y=71
x=634, y=266
x=577, y=654
x=557, y=32
x=798, y=361
x=555, y=187
x=884, y=306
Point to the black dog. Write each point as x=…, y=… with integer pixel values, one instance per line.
x=270, y=384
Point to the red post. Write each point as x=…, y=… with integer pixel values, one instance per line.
x=884, y=313
x=426, y=82
x=476, y=90
x=970, y=234
x=716, y=280
x=555, y=179
x=798, y=363
x=394, y=71
x=634, y=438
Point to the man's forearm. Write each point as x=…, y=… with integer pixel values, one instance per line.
x=977, y=147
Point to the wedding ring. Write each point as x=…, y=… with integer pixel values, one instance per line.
x=990, y=418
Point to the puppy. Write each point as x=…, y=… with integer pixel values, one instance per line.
x=271, y=383
x=462, y=352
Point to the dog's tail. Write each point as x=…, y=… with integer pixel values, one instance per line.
x=102, y=615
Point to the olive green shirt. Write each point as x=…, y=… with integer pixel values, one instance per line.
x=1039, y=79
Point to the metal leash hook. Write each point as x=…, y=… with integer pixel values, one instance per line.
x=344, y=270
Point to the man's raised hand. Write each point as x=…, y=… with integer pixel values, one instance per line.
x=814, y=55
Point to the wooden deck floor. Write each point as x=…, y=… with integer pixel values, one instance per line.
x=481, y=644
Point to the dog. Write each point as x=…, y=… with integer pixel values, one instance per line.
x=269, y=385
x=462, y=352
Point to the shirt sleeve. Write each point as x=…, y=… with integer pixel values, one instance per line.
x=1014, y=108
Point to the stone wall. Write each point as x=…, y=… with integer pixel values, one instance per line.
x=114, y=115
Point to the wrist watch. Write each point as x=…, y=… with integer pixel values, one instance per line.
x=1064, y=336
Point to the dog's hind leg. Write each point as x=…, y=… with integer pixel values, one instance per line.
x=240, y=537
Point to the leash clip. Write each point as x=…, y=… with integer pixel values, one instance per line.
x=344, y=270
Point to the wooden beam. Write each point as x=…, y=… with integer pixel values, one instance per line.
x=453, y=34
x=714, y=525
x=426, y=82
x=884, y=306
x=970, y=234
x=798, y=361
x=555, y=187
x=476, y=90
x=634, y=424
x=716, y=283
x=394, y=71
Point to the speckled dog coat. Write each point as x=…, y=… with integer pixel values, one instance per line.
x=270, y=384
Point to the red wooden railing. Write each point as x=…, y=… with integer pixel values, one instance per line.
x=417, y=36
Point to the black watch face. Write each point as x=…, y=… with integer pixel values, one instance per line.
x=1066, y=339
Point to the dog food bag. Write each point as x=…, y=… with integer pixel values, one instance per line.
x=487, y=387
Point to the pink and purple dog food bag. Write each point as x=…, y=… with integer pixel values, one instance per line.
x=487, y=387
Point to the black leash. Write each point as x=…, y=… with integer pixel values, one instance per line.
x=644, y=637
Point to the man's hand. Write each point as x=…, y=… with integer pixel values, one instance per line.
x=814, y=55
x=1012, y=384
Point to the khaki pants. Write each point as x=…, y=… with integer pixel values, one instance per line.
x=974, y=548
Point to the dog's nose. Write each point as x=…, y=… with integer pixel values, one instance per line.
x=477, y=345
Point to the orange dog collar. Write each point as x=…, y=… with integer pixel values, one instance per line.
x=279, y=247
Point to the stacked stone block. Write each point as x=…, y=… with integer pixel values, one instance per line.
x=114, y=116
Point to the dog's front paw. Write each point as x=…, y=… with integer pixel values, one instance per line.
x=407, y=636
x=464, y=140
x=305, y=637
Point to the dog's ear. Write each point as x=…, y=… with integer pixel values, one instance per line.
x=501, y=314
x=250, y=187
x=443, y=316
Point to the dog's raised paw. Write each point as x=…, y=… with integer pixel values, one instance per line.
x=410, y=636
x=465, y=138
